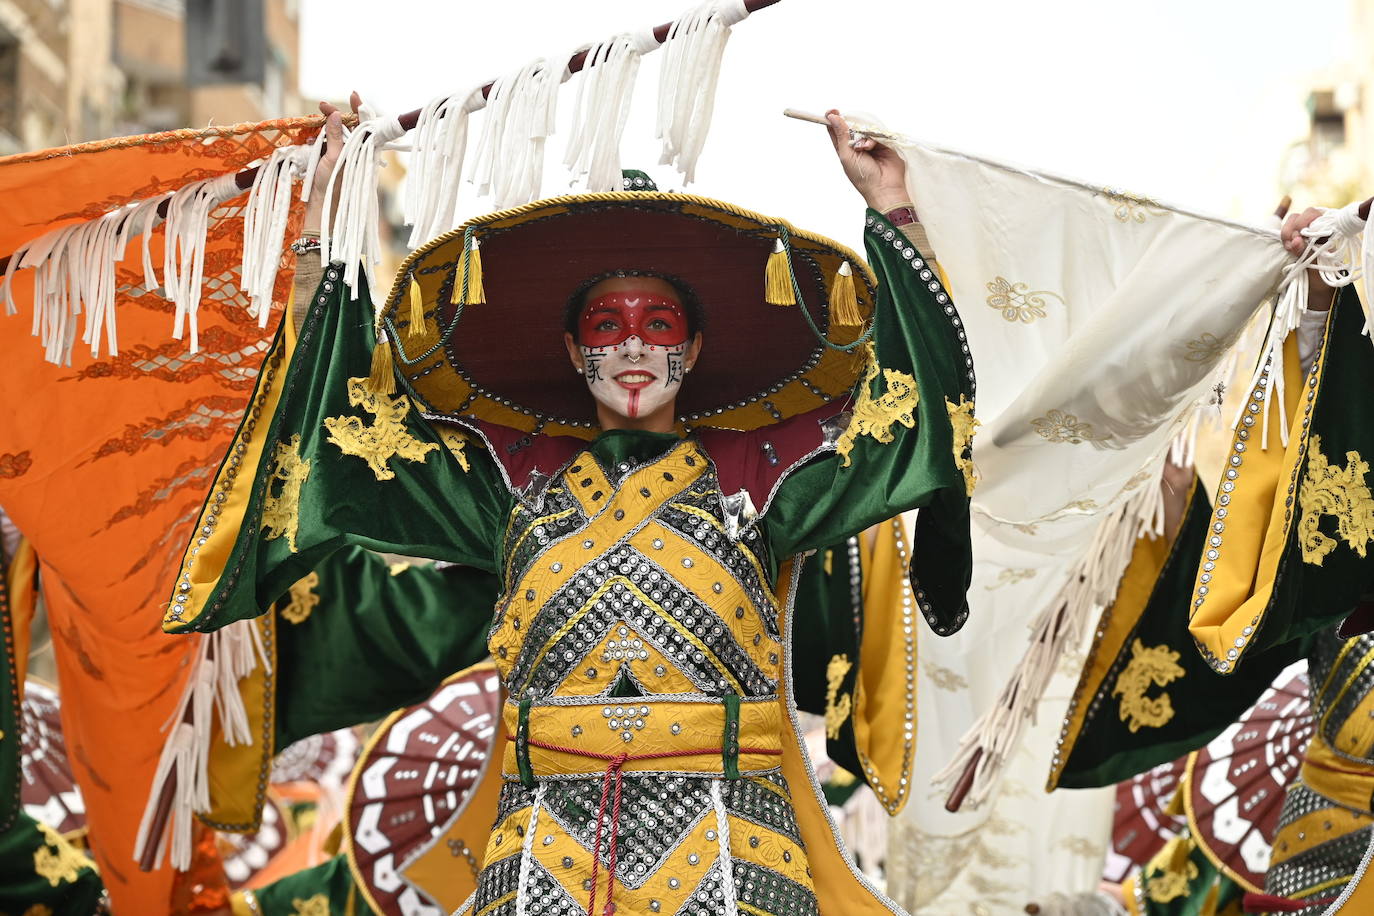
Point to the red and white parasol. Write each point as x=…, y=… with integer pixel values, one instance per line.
x=414, y=776
x=1237, y=782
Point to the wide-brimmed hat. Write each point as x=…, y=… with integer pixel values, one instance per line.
x=475, y=318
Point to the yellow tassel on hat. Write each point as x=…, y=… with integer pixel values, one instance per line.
x=472, y=263
x=777, y=284
x=417, y=311
x=382, y=378
x=844, y=302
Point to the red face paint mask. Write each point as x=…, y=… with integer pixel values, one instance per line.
x=612, y=318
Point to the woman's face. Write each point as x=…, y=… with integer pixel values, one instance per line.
x=633, y=345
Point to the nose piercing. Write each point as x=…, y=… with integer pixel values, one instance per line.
x=636, y=358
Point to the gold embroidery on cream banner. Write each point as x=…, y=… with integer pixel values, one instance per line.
x=1131, y=207
x=385, y=439
x=1058, y=426
x=1340, y=492
x=1157, y=667
x=1017, y=301
x=281, y=511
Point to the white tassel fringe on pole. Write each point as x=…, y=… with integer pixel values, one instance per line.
x=223, y=658
x=439, y=146
x=353, y=235
x=687, y=82
x=520, y=117
x=183, y=256
x=602, y=108
x=264, y=222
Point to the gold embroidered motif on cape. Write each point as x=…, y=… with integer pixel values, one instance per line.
x=387, y=436
x=1339, y=492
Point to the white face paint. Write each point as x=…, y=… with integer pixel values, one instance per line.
x=632, y=378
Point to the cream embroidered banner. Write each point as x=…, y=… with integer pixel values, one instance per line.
x=1097, y=320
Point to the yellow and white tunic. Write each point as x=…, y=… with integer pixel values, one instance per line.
x=641, y=650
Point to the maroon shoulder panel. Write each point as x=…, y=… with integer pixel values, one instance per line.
x=757, y=460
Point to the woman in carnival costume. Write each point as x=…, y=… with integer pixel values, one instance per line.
x=639, y=410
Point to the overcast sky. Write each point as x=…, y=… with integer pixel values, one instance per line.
x=1192, y=101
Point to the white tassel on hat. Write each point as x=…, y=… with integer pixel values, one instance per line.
x=604, y=91
x=687, y=82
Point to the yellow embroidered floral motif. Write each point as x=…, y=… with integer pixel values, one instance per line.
x=57, y=860
x=386, y=438
x=281, y=511
x=302, y=599
x=837, y=707
x=1058, y=426
x=457, y=445
x=875, y=417
x=1148, y=667
x=1337, y=491
x=1017, y=301
x=317, y=905
x=1169, y=873
x=965, y=424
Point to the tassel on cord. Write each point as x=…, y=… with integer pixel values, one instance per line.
x=687, y=82
x=520, y=117
x=777, y=277
x=439, y=146
x=416, y=318
x=1091, y=585
x=382, y=377
x=223, y=658
x=353, y=235
x=604, y=91
x=473, y=292
x=264, y=224
x=844, y=301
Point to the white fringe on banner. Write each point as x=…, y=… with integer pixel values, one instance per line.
x=264, y=222
x=603, y=105
x=1335, y=261
x=183, y=255
x=438, y=146
x=223, y=658
x=353, y=235
x=1092, y=584
x=687, y=82
x=520, y=117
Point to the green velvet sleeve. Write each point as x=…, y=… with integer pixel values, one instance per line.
x=365, y=638
x=40, y=872
x=326, y=888
x=339, y=466
x=903, y=453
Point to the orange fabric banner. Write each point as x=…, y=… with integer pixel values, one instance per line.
x=104, y=465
